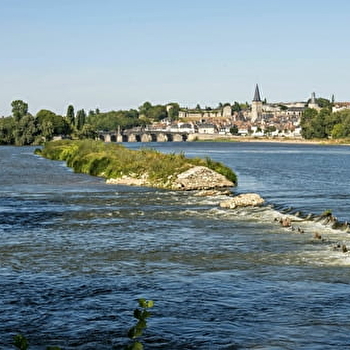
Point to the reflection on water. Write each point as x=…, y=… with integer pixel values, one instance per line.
x=76, y=254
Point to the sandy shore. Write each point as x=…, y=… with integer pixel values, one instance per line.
x=227, y=138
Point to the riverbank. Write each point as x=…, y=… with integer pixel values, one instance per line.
x=232, y=138
x=145, y=167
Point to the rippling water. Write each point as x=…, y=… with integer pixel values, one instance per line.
x=76, y=254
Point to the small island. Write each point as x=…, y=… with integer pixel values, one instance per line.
x=145, y=167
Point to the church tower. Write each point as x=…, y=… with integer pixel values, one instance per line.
x=256, y=105
x=313, y=103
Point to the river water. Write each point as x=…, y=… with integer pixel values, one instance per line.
x=76, y=254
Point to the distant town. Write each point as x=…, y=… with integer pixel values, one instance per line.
x=257, y=120
x=315, y=118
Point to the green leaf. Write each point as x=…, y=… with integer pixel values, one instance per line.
x=134, y=332
x=137, y=346
x=20, y=342
x=137, y=313
x=141, y=324
x=146, y=303
x=145, y=314
x=150, y=303
x=142, y=302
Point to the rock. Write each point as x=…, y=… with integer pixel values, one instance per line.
x=243, y=200
x=127, y=180
x=286, y=222
x=196, y=178
x=200, y=178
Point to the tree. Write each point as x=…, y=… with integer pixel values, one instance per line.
x=80, y=119
x=27, y=131
x=144, y=109
x=59, y=125
x=47, y=130
x=236, y=107
x=338, y=131
x=234, y=130
x=87, y=132
x=324, y=103
x=157, y=113
x=70, y=115
x=7, y=128
x=19, y=109
x=198, y=107
x=173, y=111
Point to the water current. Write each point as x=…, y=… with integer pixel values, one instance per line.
x=76, y=254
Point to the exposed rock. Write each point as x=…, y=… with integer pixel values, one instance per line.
x=196, y=178
x=243, y=200
x=286, y=222
x=127, y=180
x=200, y=178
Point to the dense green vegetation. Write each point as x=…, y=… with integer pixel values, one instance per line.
x=114, y=161
x=23, y=128
x=325, y=124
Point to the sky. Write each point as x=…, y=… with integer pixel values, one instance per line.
x=117, y=54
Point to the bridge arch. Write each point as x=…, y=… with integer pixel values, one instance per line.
x=146, y=137
x=161, y=137
x=134, y=138
x=179, y=137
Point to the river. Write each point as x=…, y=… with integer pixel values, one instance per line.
x=76, y=254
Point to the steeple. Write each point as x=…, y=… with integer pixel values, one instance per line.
x=257, y=94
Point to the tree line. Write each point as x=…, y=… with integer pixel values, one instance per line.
x=23, y=128
x=324, y=123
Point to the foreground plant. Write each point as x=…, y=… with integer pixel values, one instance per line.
x=136, y=331
x=21, y=343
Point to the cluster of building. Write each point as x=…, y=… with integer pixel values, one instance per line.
x=259, y=119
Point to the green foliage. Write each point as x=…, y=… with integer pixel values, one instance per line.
x=51, y=124
x=153, y=113
x=141, y=316
x=324, y=103
x=325, y=124
x=70, y=115
x=110, y=121
x=19, y=109
x=173, y=112
x=326, y=213
x=7, y=127
x=113, y=161
x=234, y=130
x=87, y=132
x=20, y=342
x=26, y=131
x=80, y=119
x=236, y=107
x=221, y=169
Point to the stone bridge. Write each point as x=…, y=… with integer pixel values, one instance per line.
x=143, y=136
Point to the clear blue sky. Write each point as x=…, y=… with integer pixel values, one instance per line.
x=117, y=54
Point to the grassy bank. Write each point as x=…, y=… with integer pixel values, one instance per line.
x=115, y=161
